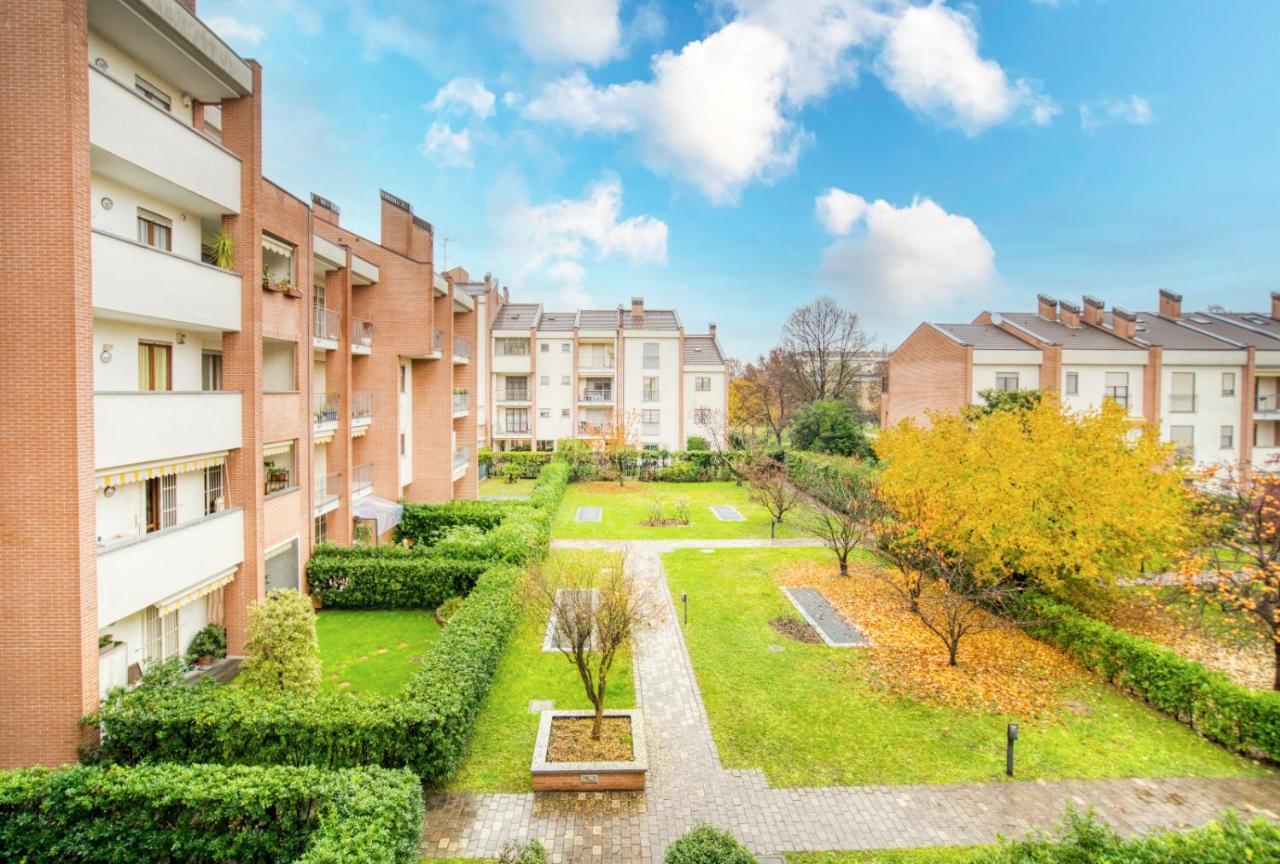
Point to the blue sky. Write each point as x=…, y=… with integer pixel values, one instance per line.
x=737, y=158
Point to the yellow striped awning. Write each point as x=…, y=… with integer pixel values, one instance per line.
x=138, y=473
x=324, y=438
x=201, y=589
x=276, y=449
x=359, y=431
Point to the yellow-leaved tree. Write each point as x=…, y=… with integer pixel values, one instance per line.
x=1063, y=501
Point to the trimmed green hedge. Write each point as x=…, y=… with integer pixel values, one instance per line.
x=1236, y=717
x=207, y=813
x=528, y=462
x=388, y=581
x=424, y=524
x=704, y=844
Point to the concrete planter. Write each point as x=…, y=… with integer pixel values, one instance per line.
x=590, y=776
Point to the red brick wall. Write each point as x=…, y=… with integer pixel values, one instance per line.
x=928, y=372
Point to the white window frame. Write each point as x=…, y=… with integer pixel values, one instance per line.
x=1073, y=384
x=652, y=359
x=1227, y=437
x=702, y=384
x=1228, y=383
x=1002, y=377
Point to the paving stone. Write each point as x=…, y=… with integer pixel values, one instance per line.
x=537, y=706
x=590, y=514
x=825, y=619
x=727, y=513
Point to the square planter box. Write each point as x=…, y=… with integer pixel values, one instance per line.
x=589, y=776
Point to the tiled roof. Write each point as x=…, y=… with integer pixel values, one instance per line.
x=985, y=337
x=1251, y=328
x=702, y=349
x=518, y=316
x=598, y=319
x=1181, y=335
x=558, y=321
x=653, y=319
x=1057, y=333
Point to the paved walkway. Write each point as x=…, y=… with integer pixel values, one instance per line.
x=687, y=784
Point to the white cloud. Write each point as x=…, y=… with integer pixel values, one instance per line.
x=511, y=99
x=1135, y=110
x=912, y=258
x=930, y=60
x=567, y=31
x=839, y=210
x=392, y=34
x=464, y=94
x=448, y=148
x=235, y=30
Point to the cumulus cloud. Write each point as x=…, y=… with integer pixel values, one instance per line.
x=447, y=147
x=930, y=60
x=912, y=258
x=464, y=94
x=235, y=30
x=567, y=31
x=547, y=244
x=1135, y=111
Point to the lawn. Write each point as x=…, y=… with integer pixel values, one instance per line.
x=923, y=855
x=627, y=506
x=372, y=651
x=498, y=487
x=809, y=715
x=501, y=745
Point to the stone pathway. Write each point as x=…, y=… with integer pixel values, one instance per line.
x=687, y=784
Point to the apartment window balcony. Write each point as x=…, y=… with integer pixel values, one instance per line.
x=132, y=280
x=1267, y=403
x=328, y=324
x=461, y=402
x=461, y=459
x=165, y=564
x=133, y=427
x=278, y=478
x=511, y=428
x=513, y=394
x=590, y=429
x=437, y=342
x=327, y=489
x=461, y=350
x=596, y=396
x=325, y=412
x=1182, y=403
x=361, y=336
x=361, y=481
x=650, y=429
x=595, y=361
x=361, y=408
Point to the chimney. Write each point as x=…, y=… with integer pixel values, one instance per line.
x=397, y=222
x=711, y=329
x=637, y=310
x=1093, y=310
x=1046, y=307
x=1275, y=305
x=1171, y=304
x=420, y=239
x=1068, y=313
x=1124, y=324
x=325, y=208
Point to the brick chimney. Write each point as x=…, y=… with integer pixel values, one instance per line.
x=1171, y=304
x=1124, y=324
x=397, y=222
x=637, y=310
x=1093, y=310
x=711, y=329
x=1046, y=307
x=325, y=208
x=1068, y=313
x=1275, y=305
x=420, y=239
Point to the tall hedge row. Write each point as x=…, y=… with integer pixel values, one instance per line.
x=424, y=524
x=193, y=813
x=1219, y=709
x=411, y=581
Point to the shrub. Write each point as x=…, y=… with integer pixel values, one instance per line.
x=680, y=472
x=447, y=610
x=706, y=845
x=695, y=442
x=830, y=427
x=1207, y=701
x=132, y=815
x=211, y=641
x=282, y=654
x=523, y=853
x=424, y=524
x=403, y=580
x=465, y=543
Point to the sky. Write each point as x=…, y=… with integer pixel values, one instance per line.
x=734, y=159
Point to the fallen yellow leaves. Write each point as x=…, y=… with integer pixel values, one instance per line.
x=1002, y=670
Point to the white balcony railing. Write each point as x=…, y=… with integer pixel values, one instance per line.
x=461, y=457
x=461, y=402
x=131, y=280
x=326, y=491
x=361, y=334
x=461, y=348
x=361, y=480
x=595, y=396
x=328, y=323
x=143, y=571
x=324, y=411
x=503, y=426
x=150, y=425
x=361, y=408
x=1267, y=403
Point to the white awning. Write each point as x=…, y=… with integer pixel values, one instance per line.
x=359, y=431
x=387, y=513
x=138, y=473
x=276, y=246
x=277, y=448
x=200, y=589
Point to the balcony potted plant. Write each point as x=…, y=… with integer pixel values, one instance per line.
x=267, y=284
x=208, y=645
x=223, y=250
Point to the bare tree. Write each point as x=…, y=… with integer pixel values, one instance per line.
x=769, y=486
x=616, y=441
x=824, y=347
x=594, y=611
x=764, y=395
x=841, y=511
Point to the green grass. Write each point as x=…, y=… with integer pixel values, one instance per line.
x=625, y=507
x=498, y=486
x=922, y=855
x=501, y=745
x=807, y=716
x=372, y=651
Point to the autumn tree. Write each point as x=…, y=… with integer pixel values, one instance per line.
x=769, y=486
x=841, y=510
x=1066, y=501
x=616, y=442
x=765, y=396
x=824, y=348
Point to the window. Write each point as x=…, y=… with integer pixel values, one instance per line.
x=162, y=502
x=282, y=567
x=402, y=443
x=544, y=412
x=151, y=92
x=651, y=355
x=1117, y=387
x=1006, y=380
x=1073, y=383
x=545, y=446
x=211, y=370
x=1183, y=437
x=155, y=366
x=545, y=347
x=155, y=230
x=404, y=379
x=279, y=366
x=702, y=416
x=516, y=420
x=1227, y=437
x=159, y=636
x=649, y=422
x=566, y=347
x=651, y=448
x=1228, y=383
x=564, y=412
x=1182, y=392
x=213, y=489
x=322, y=529
x=513, y=347
x=650, y=390
x=565, y=380
x=546, y=379
x=702, y=384
x=516, y=389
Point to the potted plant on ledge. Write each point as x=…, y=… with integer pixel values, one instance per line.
x=208, y=645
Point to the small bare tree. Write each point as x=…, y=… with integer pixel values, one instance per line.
x=769, y=486
x=825, y=350
x=594, y=611
x=841, y=511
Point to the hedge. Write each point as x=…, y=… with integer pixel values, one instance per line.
x=388, y=581
x=423, y=729
x=206, y=813
x=424, y=524
x=704, y=844
x=1219, y=709
x=528, y=462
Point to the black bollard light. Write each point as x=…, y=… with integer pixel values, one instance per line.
x=773, y=527
x=684, y=598
x=1011, y=735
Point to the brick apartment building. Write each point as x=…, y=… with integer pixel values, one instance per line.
x=1211, y=380
x=184, y=433
x=558, y=375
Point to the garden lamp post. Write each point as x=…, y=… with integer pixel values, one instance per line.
x=684, y=598
x=1011, y=735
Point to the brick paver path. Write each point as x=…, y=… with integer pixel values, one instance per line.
x=687, y=784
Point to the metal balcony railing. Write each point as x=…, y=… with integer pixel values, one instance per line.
x=325, y=408
x=461, y=347
x=361, y=405
x=514, y=394
x=327, y=488
x=595, y=396
x=361, y=479
x=461, y=401
x=1182, y=403
x=461, y=457
x=1267, y=402
x=511, y=427
x=327, y=323
x=361, y=332
x=437, y=341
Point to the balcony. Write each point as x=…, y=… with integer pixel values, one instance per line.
x=143, y=146
x=361, y=408
x=1266, y=459
x=324, y=412
x=328, y=324
x=461, y=403
x=327, y=490
x=461, y=350
x=590, y=429
x=513, y=395
x=361, y=481
x=511, y=355
x=147, y=570
x=132, y=281
x=591, y=361
x=1267, y=406
x=437, y=342
x=361, y=336
x=147, y=426
x=1182, y=403
x=511, y=428
x=461, y=458
x=598, y=397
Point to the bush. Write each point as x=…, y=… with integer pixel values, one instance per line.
x=282, y=654
x=465, y=543
x=706, y=845
x=211, y=641
x=695, y=442
x=246, y=814
x=424, y=524
x=830, y=427
x=447, y=610
x=1236, y=717
x=386, y=580
x=680, y=472
x=523, y=853
x=518, y=464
